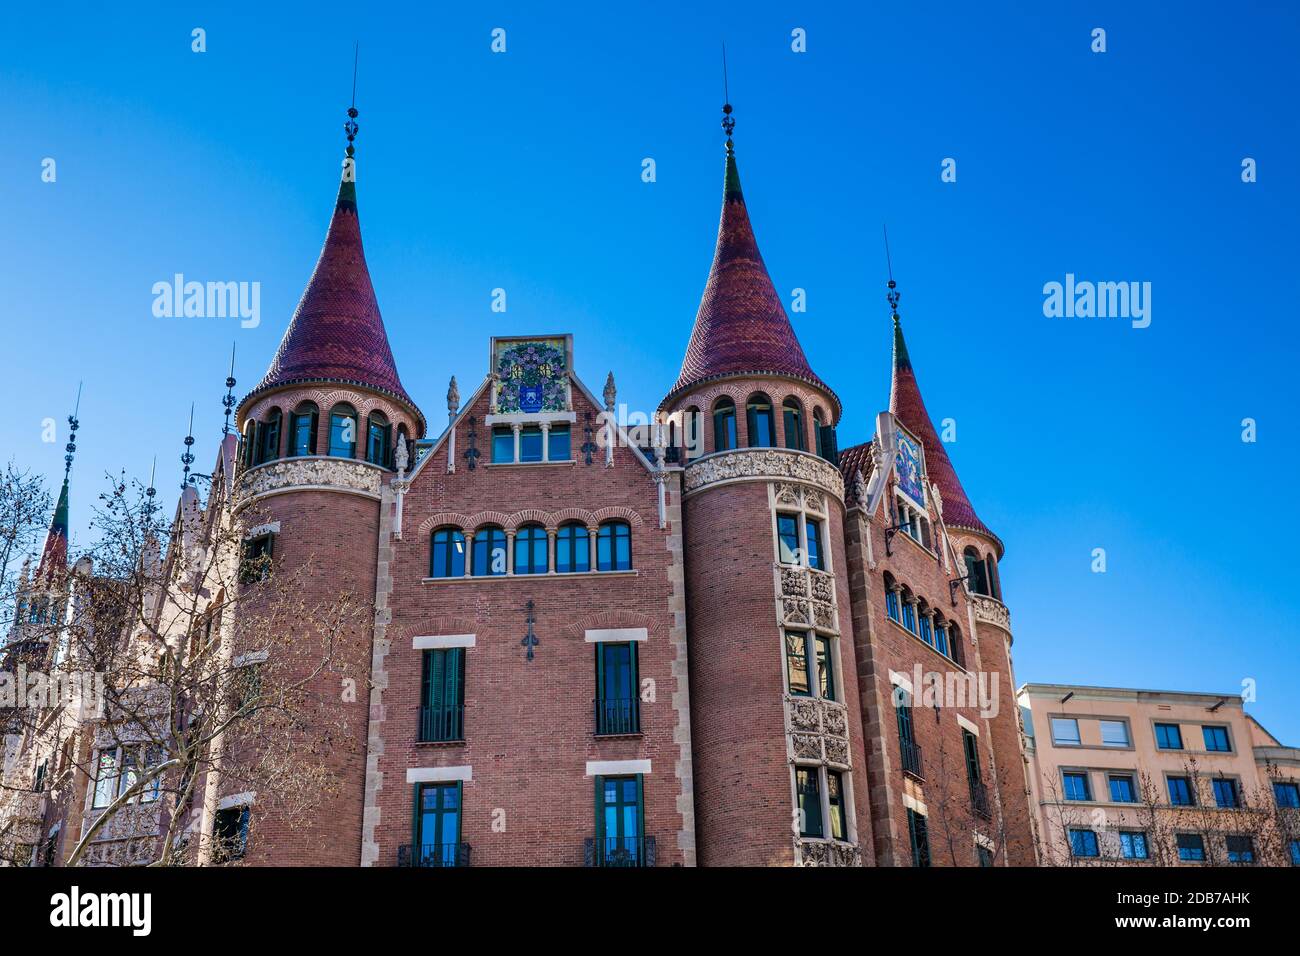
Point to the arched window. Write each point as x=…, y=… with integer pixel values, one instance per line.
x=954, y=645
x=268, y=437
x=302, y=429
x=923, y=620
x=692, y=432
x=941, y=636
x=379, y=439
x=817, y=433
x=995, y=586
x=343, y=431
x=792, y=423
x=614, y=546
x=909, y=610
x=250, y=443
x=891, y=599
x=530, y=550
x=489, y=551
x=447, y=558
x=724, y=425
x=977, y=572
x=760, y=427
x=572, y=548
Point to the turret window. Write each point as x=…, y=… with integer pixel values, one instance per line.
x=792, y=423
x=817, y=432
x=813, y=531
x=724, y=425
x=447, y=559
x=268, y=438
x=977, y=572
x=760, y=426
x=809, y=665
x=302, y=430
x=379, y=439
x=343, y=431
x=530, y=550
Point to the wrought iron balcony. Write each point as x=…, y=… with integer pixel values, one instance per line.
x=442, y=723
x=979, y=799
x=433, y=854
x=618, y=716
x=620, y=851
x=912, y=759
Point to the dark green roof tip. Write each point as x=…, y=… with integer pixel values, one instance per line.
x=348, y=187
x=60, y=522
x=900, y=347
x=732, y=189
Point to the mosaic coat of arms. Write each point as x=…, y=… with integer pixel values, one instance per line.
x=909, y=469
x=532, y=376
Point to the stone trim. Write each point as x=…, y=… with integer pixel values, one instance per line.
x=317, y=473
x=968, y=725
x=597, y=768
x=442, y=641
x=763, y=464
x=464, y=774
x=614, y=635
x=380, y=646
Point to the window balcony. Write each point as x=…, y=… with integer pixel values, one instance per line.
x=442, y=724
x=979, y=800
x=620, y=851
x=912, y=760
x=617, y=716
x=433, y=854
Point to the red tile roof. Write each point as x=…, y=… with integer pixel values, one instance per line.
x=337, y=333
x=852, y=460
x=906, y=404
x=54, y=553
x=741, y=327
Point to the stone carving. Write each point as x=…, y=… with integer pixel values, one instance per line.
x=343, y=473
x=991, y=611
x=795, y=611
x=803, y=714
x=823, y=587
x=824, y=616
x=814, y=501
x=787, y=494
x=837, y=750
x=835, y=720
x=806, y=746
x=794, y=582
x=822, y=853
x=765, y=463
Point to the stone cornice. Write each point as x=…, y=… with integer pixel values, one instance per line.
x=763, y=464
x=344, y=475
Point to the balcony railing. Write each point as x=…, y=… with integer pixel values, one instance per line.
x=979, y=799
x=442, y=723
x=618, y=716
x=620, y=851
x=912, y=759
x=433, y=854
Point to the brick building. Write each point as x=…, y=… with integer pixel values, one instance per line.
x=710, y=638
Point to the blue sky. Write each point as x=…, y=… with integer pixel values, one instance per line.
x=522, y=171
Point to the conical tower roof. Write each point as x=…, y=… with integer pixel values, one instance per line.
x=54, y=553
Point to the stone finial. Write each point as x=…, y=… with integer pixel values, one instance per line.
x=859, y=487
x=453, y=398
x=400, y=457
x=611, y=393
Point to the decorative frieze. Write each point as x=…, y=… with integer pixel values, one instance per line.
x=794, y=582
x=991, y=611
x=329, y=474
x=826, y=853
x=818, y=730
x=765, y=464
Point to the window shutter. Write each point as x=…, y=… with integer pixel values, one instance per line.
x=311, y=441
x=600, y=810
x=415, y=824
x=388, y=446
x=426, y=680
x=829, y=450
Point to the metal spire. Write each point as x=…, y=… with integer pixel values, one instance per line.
x=187, y=458
x=728, y=123
x=351, y=127
x=229, y=401
x=892, y=295
x=151, y=491
x=73, y=424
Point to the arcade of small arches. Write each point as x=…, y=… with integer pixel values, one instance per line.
x=301, y=431
x=799, y=430
x=917, y=616
x=491, y=550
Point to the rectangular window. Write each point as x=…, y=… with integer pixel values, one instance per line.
x=438, y=815
x=1216, y=739
x=1133, y=845
x=230, y=834
x=1076, y=785
x=1295, y=852
x=813, y=531
x=442, y=708
x=835, y=796
x=557, y=443
x=1226, y=795
x=618, y=705
x=971, y=751
x=909, y=749
x=1241, y=849
x=1114, y=733
x=891, y=604
x=1181, y=793
x=787, y=534
x=1065, y=731
x=256, y=563
x=808, y=789
x=1083, y=843
x=1287, y=794
x=105, y=779
x=916, y=831
x=983, y=855
x=1191, y=848
x=619, y=821
x=796, y=663
x=503, y=444
x=1122, y=789
x=825, y=669
x=1169, y=737
x=530, y=443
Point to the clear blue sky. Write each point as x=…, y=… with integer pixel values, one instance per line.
x=522, y=171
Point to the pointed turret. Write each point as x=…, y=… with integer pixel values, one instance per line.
x=54, y=553
x=741, y=328
x=906, y=404
x=337, y=334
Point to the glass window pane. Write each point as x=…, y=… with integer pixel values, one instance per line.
x=814, y=533
x=530, y=444
x=825, y=669
x=558, y=443
x=1065, y=730
x=796, y=662
x=787, y=530
x=503, y=444
x=1114, y=733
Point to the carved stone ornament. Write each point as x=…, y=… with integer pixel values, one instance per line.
x=821, y=853
x=806, y=746
x=803, y=714
x=795, y=611
x=341, y=473
x=773, y=464
x=823, y=587
x=787, y=494
x=794, y=582
x=991, y=611
x=834, y=720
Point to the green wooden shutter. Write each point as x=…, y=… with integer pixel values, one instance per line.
x=311, y=441
x=415, y=823
x=640, y=806
x=635, y=724
x=600, y=815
